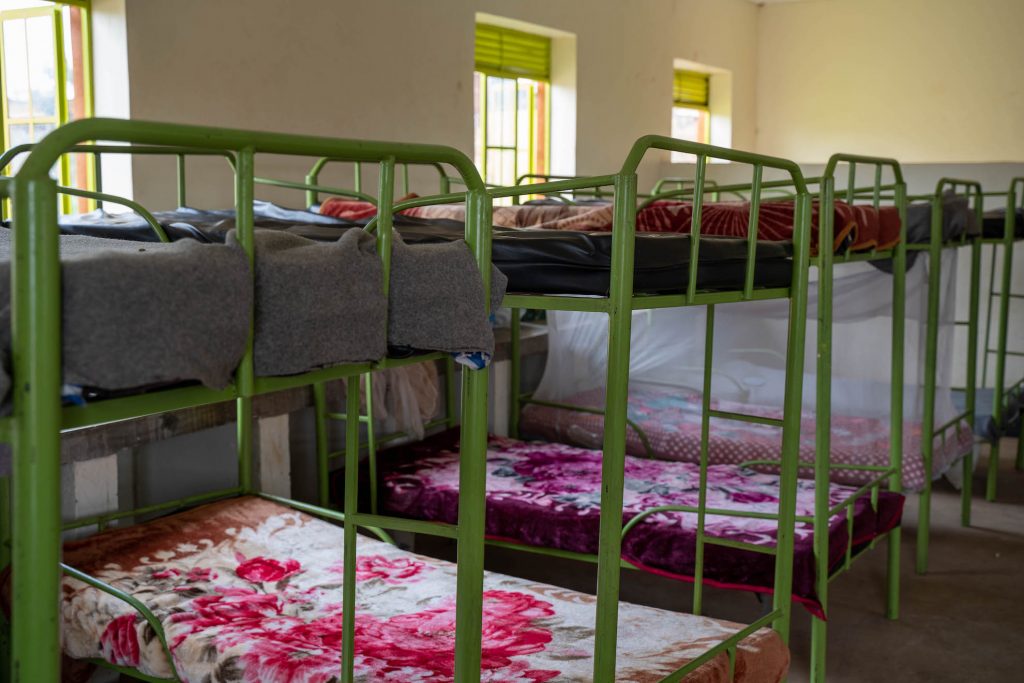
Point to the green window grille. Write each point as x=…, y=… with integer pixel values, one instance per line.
x=508, y=53
x=690, y=89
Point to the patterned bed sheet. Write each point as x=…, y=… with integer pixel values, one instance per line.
x=249, y=590
x=671, y=419
x=856, y=227
x=548, y=495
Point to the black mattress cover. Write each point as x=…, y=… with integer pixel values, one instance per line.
x=535, y=261
x=994, y=224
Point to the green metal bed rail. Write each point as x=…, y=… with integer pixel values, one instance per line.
x=596, y=192
x=38, y=416
x=97, y=150
x=313, y=178
x=1014, y=194
x=619, y=305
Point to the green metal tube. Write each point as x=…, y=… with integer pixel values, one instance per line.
x=181, y=180
x=792, y=412
x=823, y=427
x=5, y=523
x=371, y=443
x=351, y=508
x=515, y=378
x=36, y=356
x=114, y=199
x=322, y=456
x=244, y=196
x=705, y=434
x=930, y=365
x=972, y=367
x=473, y=469
x=896, y=398
x=616, y=408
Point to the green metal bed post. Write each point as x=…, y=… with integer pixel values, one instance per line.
x=930, y=364
x=371, y=442
x=351, y=508
x=244, y=195
x=999, y=381
x=705, y=432
x=967, y=463
x=515, y=370
x=620, y=312
x=823, y=426
x=181, y=180
x=36, y=356
x=897, y=383
x=473, y=468
x=5, y=558
x=792, y=414
x=322, y=454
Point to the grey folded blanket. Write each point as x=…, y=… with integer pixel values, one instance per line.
x=137, y=314
x=317, y=303
x=437, y=298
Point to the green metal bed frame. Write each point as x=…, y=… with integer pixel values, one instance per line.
x=1003, y=389
x=890, y=475
x=35, y=427
x=30, y=519
x=619, y=305
x=971, y=190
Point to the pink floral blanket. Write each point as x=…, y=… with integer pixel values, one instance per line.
x=548, y=495
x=250, y=591
x=671, y=421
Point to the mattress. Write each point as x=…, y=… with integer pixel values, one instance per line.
x=199, y=224
x=548, y=495
x=671, y=419
x=249, y=590
x=536, y=261
x=856, y=227
x=994, y=224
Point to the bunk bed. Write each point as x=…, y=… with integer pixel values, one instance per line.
x=207, y=591
x=418, y=480
x=665, y=412
x=1000, y=409
x=530, y=509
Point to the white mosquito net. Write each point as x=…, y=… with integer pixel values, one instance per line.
x=666, y=373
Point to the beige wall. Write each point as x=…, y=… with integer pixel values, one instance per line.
x=402, y=70
x=919, y=80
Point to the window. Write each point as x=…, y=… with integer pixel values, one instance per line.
x=46, y=80
x=512, y=103
x=691, y=117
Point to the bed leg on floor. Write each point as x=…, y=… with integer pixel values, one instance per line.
x=993, y=471
x=892, y=592
x=967, y=489
x=819, y=639
x=924, y=515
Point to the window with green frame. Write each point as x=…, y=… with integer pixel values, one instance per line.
x=691, y=117
x=46, y=80
x=512, y=103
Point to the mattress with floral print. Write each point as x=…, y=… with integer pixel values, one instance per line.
x=671, y=421
x=249, y=590
x=549, y=495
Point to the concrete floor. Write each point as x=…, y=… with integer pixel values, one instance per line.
x=963, y=621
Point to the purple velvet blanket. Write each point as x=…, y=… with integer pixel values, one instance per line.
x=548, y=495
